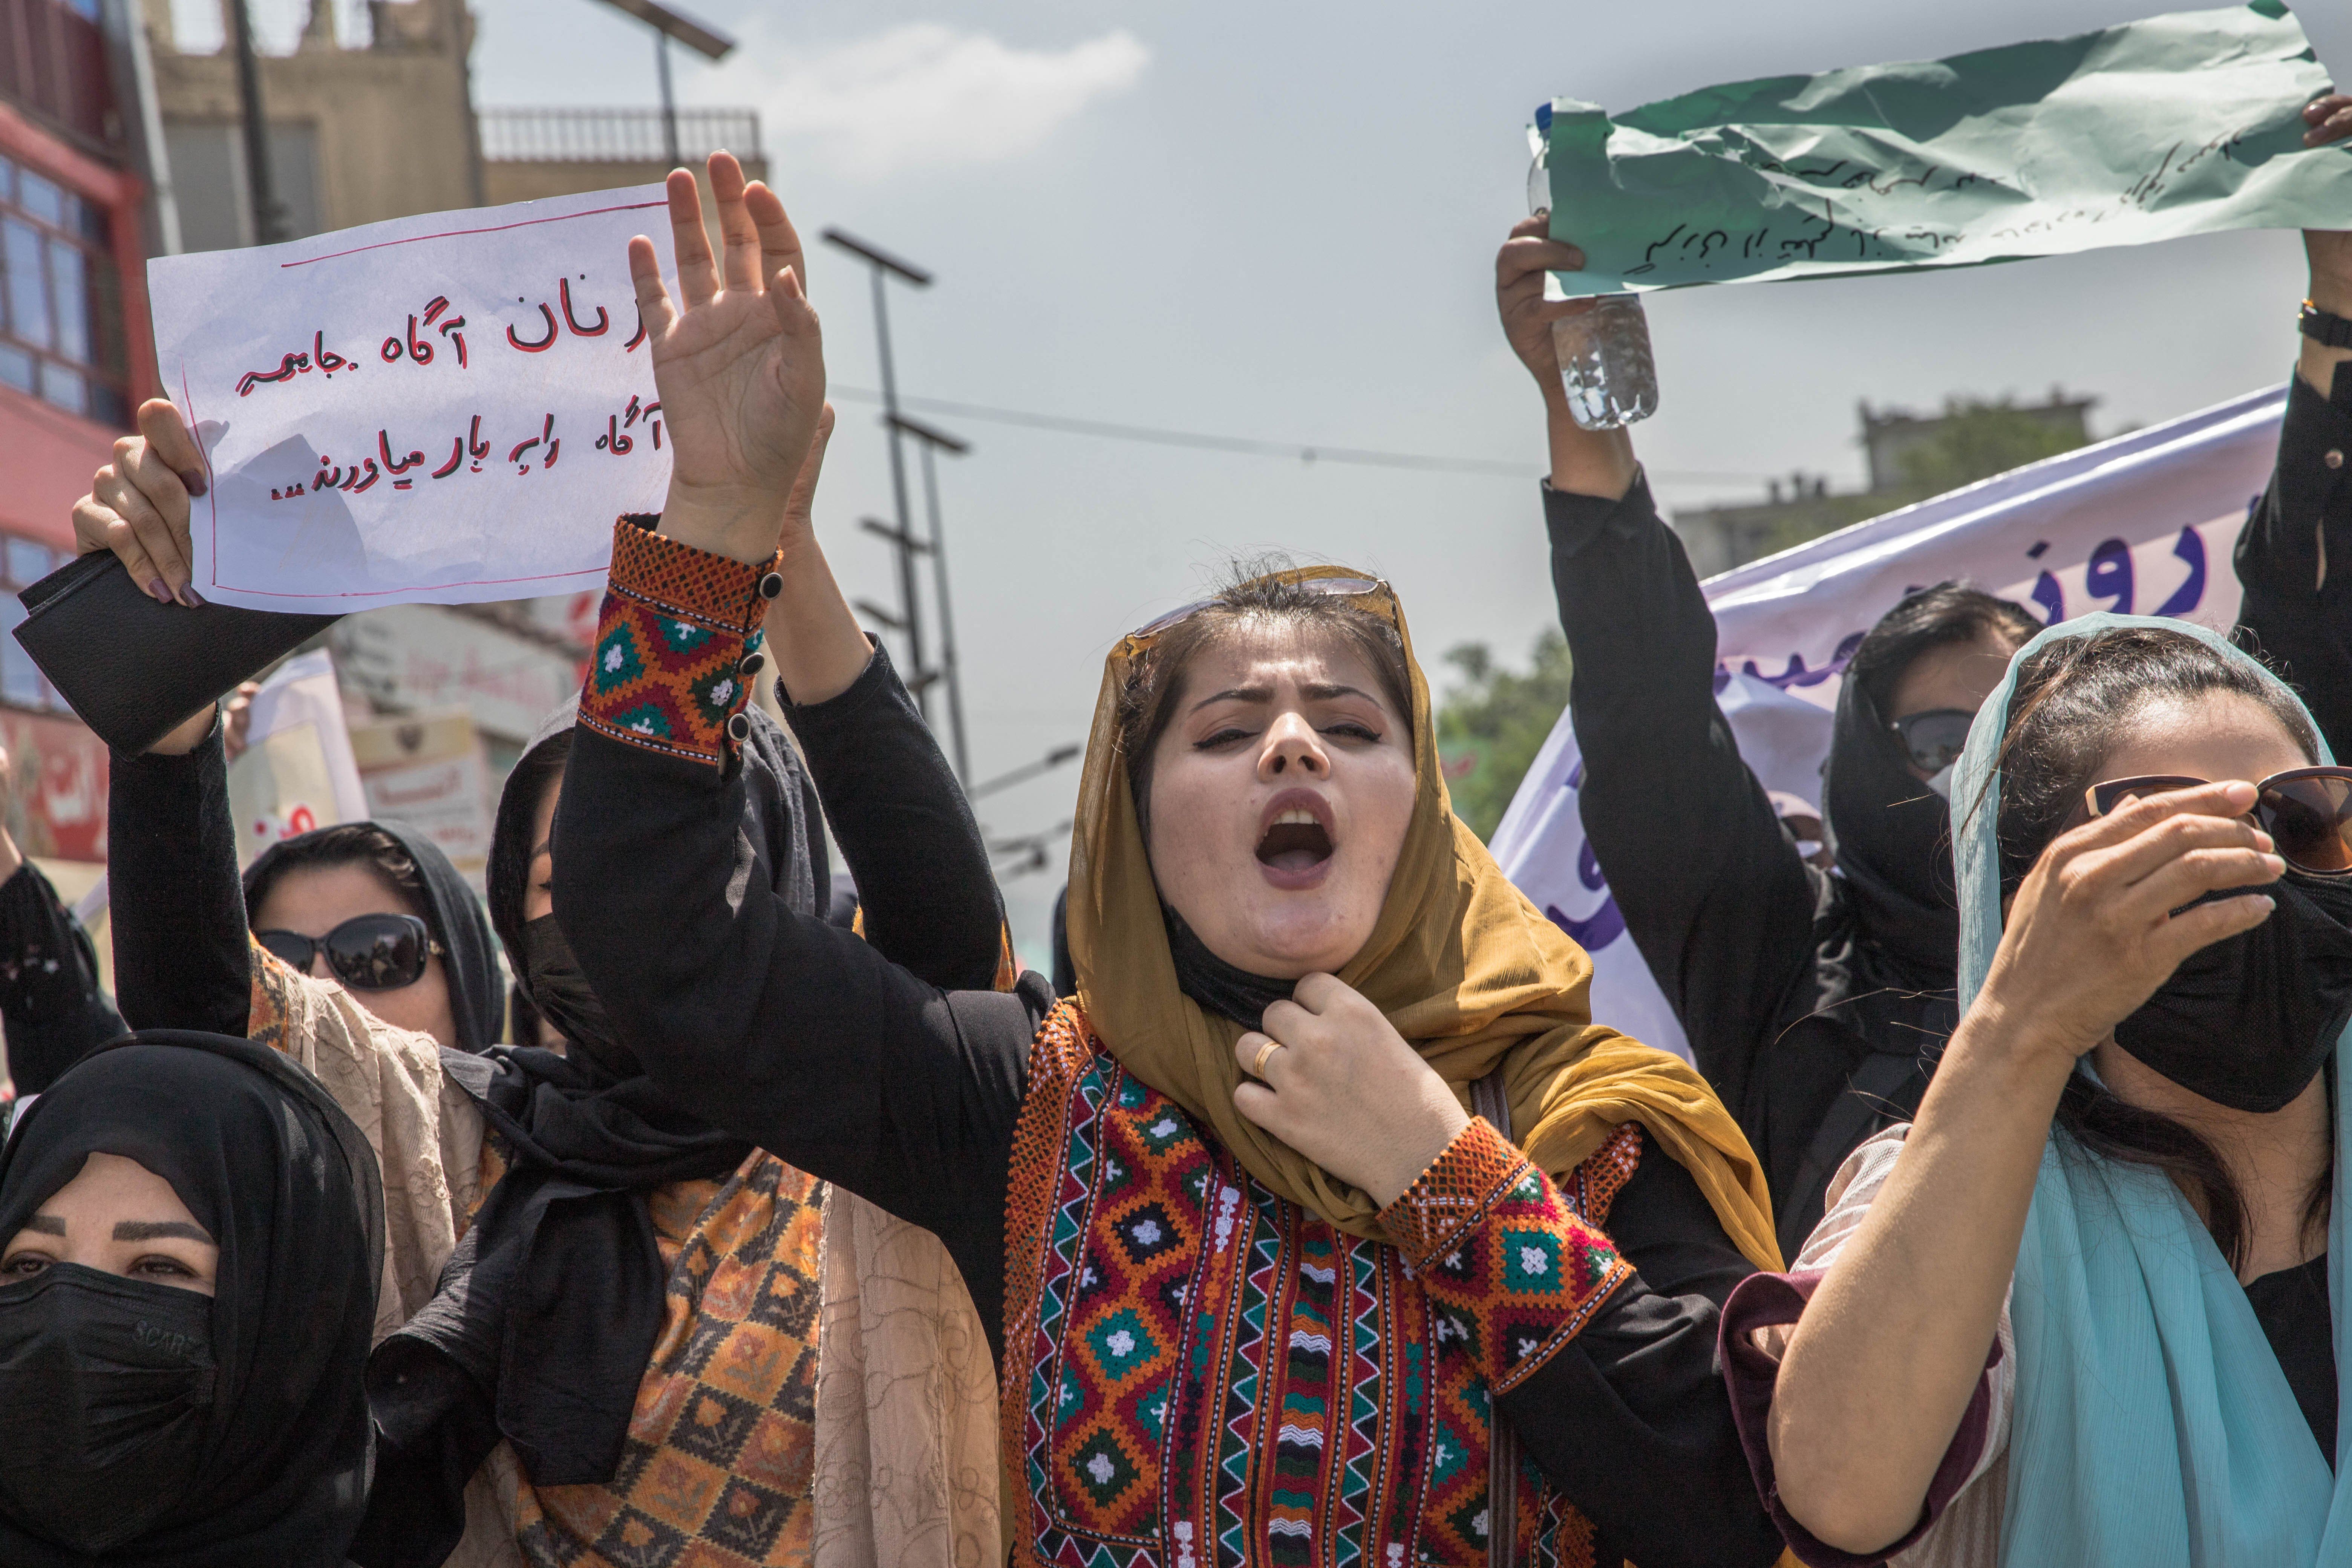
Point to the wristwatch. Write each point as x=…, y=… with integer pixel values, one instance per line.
x=2322, y=327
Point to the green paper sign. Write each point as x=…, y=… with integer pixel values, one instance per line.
x=2182, y=124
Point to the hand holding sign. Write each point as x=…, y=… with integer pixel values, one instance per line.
x=740, y=368
x=138, y=504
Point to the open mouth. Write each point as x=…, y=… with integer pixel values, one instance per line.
x=1297, y=838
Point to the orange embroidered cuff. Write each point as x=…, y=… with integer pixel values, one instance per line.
x=677, y=643
x=1512, y=1271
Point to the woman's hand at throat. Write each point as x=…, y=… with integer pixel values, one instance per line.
x=1343, y=1087
x=739, y=361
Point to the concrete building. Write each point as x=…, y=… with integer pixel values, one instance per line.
x=385, y=126
x=360, y=129
x=75, y=358
x=382, y=124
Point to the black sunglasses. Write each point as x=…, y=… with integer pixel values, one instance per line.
x=366, y=953
x=1935, y=739
x=2307, y=812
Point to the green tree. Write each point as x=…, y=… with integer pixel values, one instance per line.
x=1490, y=727
x=1979, y=439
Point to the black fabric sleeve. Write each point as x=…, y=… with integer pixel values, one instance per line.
x=779, y=1027
x=1631, y=1420
x=1711, y=889
x=182, y=957
x=2294, y=557
x=905, y=828
x=50, y=995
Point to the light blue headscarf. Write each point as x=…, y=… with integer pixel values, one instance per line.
x=2153, y=1427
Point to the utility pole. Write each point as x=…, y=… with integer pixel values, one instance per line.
x=908, y=619
x=935, y=440
x=669, y=98
x=883, y=265
x=269, y=217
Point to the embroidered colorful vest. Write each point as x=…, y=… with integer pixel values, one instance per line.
x=1198, y=1372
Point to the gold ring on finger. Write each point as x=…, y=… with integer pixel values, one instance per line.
x=1258, y=1068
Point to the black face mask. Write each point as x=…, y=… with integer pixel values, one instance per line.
x=2249, y=1022
x=104, y=1383
x=565, y=997
x=1223, y=988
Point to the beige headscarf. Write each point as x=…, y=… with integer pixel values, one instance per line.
x=1463, y=967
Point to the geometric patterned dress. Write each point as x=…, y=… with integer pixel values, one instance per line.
x=1199, y=1372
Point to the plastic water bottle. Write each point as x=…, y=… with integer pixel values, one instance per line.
x=1605, y=349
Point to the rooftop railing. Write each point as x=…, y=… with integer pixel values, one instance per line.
x=609, y=135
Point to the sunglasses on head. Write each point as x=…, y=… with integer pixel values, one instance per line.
x=366, y=953
x=1341, y=583
x=1934, y=740
x=2307, y=812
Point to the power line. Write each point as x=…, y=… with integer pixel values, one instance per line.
x=1367, y=456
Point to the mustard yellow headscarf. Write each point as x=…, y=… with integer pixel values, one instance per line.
x=1464, y=967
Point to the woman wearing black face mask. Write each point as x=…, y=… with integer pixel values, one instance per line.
x=2080, y=1310
x=613, y=1357
x=192, y=1235
x=572, y=1250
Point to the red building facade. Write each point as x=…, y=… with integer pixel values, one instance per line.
x=76, y=357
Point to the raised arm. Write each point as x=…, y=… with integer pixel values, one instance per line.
x=774, y=1024
x=2296, y=612
x=182, y=957
x=1712, y=890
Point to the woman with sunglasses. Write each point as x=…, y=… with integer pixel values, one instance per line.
x=2080, y=1309
x=600, y=1327
x=1259, y=1285
x=1817, y=1004
x=377, y=907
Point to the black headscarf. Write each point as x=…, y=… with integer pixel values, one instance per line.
x=288, y=1188
x=478, y=993
x=1894, y=841
x=546, y=1317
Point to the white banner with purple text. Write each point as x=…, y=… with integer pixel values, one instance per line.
x=2142, y=524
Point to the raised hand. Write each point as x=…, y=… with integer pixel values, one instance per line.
x=2330, y=250
x=2330, y=117
x=1586, y=462
x=1343, y=1087
x=138, y=504
x=739, y=361
x=1519, y=269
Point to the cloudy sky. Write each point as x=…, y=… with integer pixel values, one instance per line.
x=1278, y=221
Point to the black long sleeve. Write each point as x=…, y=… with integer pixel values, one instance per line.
x=2294, y=557
x=1632, y=1410
x=182, y=957
x=797, y=1036
x=1713, y=893
x=929, y=898
x=792, y=1033
x=50, y=995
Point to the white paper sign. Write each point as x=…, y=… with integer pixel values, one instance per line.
x=438, y=409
